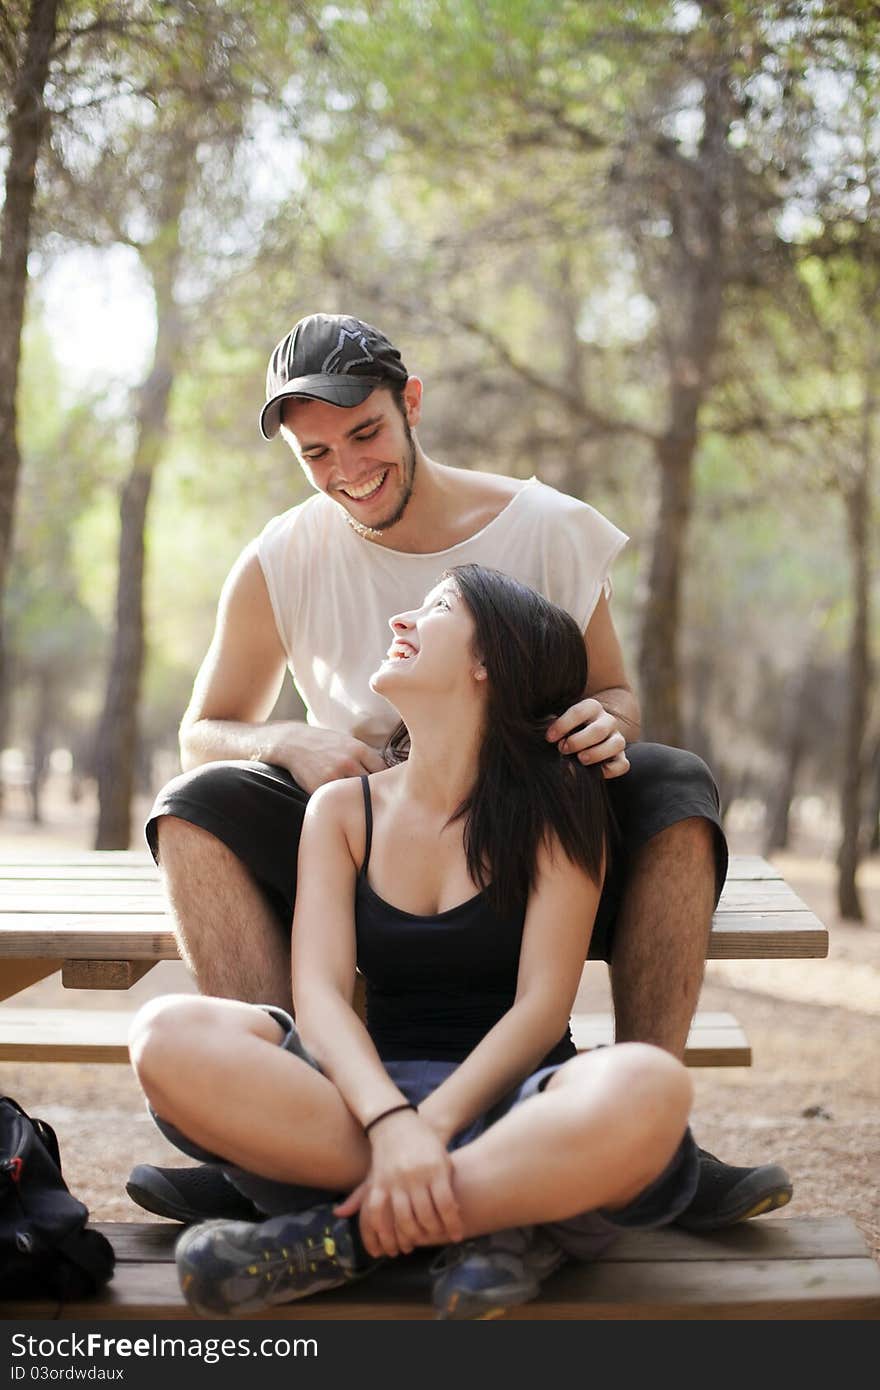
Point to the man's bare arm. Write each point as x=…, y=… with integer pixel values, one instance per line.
x=607, y=679
x=236, y=689
x=608, y=718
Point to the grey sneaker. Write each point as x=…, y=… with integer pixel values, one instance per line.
x=188, y=1194
x=482, y=1278
x=245, y=1266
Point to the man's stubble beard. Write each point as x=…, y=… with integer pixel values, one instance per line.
x=403, y=502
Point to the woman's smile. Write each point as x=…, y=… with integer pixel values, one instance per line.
x=401, y=650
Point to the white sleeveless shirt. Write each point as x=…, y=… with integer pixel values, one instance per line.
x=333, y=592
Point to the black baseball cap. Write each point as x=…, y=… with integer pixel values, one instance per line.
x=328, y=357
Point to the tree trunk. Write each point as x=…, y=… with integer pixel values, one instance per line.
x=794, y=746
x=858, y=513
x=695, y=282
x=117, y=738
x=7, y=685
x=117, y=734
x=658, y=659
x=26, y=129
x=873, y=827
x=41, y=742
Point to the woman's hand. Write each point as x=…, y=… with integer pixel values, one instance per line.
x=406, y=1199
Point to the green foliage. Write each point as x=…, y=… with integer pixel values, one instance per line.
x=506, y=187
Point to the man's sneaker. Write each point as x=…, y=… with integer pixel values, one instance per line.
x=188, y=1194
x=244, y=1266
x=482, y=1278
x=726, y=1195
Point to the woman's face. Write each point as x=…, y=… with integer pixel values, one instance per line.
x=432, y=647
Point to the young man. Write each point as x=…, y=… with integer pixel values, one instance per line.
x=314, y=593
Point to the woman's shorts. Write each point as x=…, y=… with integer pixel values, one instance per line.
x=583, y=1237
x=257, y=811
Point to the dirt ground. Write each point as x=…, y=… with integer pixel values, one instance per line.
x=811, y=1099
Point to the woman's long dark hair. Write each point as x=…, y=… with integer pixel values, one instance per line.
x=526, y=790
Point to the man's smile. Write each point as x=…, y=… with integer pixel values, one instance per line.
x=369, y=488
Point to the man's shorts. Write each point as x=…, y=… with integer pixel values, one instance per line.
x=583, y=1237
x=257, y=811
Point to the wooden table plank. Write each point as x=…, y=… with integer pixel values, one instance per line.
x=75, y=858
x=743, y=866
x=147, y=935
x=127, y=895
x=766, y=936
x=137, y=899
x=760, y=895
x=88, y=937
x=11, y=874
x=100, y=862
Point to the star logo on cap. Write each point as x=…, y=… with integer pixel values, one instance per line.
x=349, y=340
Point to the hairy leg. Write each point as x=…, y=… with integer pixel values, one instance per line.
x=227, y=932
x=662, y=936
x=606, y=1125
x=278, y=1117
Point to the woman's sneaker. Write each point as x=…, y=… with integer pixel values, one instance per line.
x=482, y=1278
x=243, y=1267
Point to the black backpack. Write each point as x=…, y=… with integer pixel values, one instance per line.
x=45, y=1249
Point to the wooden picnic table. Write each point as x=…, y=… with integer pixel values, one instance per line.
x=101, y=919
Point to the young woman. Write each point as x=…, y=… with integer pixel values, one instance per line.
x=462, y=882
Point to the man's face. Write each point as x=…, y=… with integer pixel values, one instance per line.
x=364, y=457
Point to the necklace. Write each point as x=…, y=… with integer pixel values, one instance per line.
x=366, y=531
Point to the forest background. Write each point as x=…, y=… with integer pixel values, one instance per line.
x=631, y=248
x=634, y=249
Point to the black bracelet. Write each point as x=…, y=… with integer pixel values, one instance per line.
x=395, y=1109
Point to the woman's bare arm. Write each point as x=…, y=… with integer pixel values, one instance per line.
x=407, y=1197
x=323, y=953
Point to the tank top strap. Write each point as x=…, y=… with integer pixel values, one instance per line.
x=368, y=812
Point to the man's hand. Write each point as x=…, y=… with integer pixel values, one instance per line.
x=591, y=732
x=315, y=756
x=406, y=1200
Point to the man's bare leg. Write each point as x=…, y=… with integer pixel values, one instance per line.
x=662, y=935
x=228, y=934
x=660, y=945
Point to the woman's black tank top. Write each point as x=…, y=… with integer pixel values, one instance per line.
x=436, y=984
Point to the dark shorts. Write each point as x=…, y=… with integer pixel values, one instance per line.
x=257, y=811
x=583, y=1237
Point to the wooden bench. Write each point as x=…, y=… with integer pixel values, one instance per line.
x=100, y=918
x=813, y=1267
x=100, y=1035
